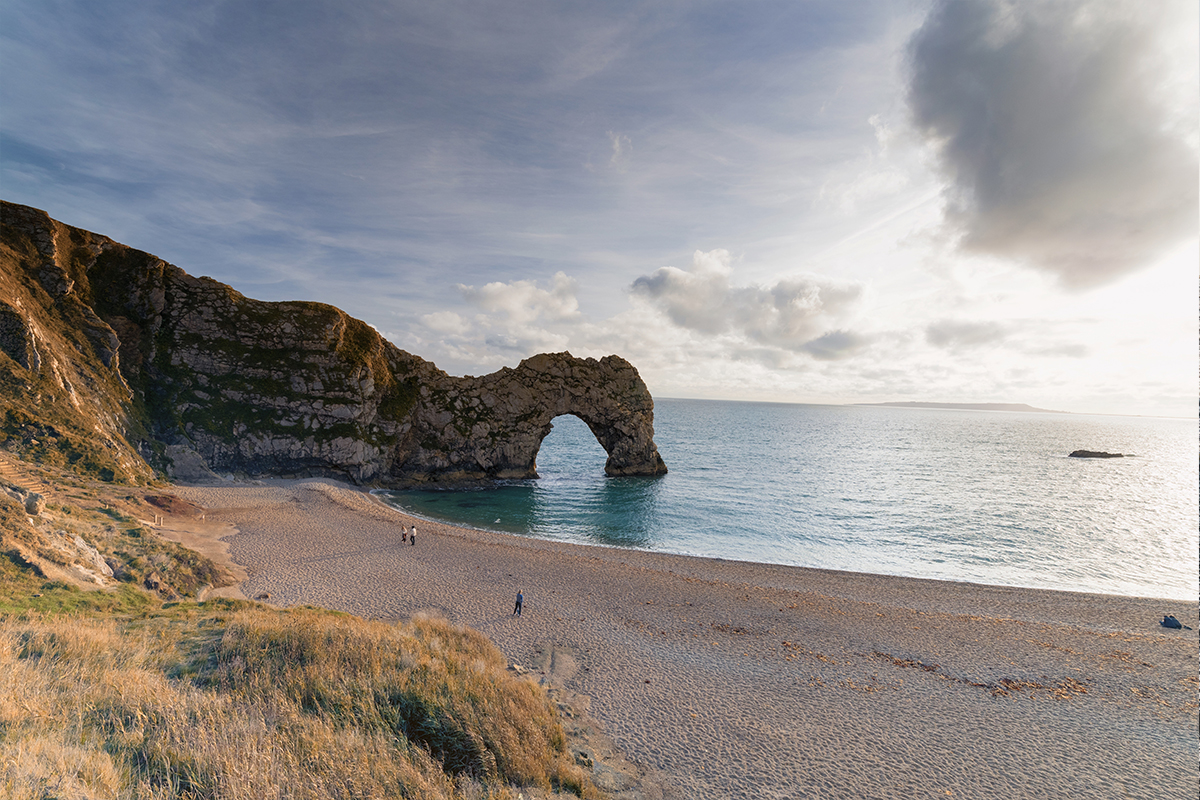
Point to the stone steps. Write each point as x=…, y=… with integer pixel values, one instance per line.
x=14, y=477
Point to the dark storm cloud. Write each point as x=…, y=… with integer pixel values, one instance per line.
x=1054, y=126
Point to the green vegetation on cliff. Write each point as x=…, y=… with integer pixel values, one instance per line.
x=115, y=679
x=52, y=412
x=139, y=367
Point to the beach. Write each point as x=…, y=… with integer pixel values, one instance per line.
x=732, y=679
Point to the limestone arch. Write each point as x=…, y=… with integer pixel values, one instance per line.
x=493, y=426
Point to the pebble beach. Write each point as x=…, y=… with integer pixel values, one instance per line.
x=730, y=679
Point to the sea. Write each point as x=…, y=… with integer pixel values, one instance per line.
x=982, y=496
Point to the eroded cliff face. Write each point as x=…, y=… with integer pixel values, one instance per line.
x=193, y=376
x=63, y=399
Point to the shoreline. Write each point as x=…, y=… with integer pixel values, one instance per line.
x=739, y=679
x=410, y=515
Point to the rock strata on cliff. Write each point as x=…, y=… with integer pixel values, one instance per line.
x=197, y=378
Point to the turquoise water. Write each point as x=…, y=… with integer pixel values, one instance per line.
x=988, y=497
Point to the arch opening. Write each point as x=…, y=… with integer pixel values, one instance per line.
x=569, y=448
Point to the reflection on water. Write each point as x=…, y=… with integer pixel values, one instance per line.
x=572, y=500
x=976, y=496
x=616, y=511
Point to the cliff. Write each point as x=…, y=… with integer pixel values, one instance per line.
x=114, y=361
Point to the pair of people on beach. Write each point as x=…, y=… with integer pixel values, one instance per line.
x=406, y=536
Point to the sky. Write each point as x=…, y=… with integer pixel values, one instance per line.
x=807, y=201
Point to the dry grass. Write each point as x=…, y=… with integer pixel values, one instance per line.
x=102, y=516
x=230, y=700
x=114, y=693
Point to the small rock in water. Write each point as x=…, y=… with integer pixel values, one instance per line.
x=1094, y=454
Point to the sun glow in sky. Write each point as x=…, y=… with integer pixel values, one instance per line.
x=975, y=201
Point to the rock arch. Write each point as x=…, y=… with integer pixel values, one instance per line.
x=193, y=376
x=492, y=426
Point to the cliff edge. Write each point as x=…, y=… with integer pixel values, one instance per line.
x=114, y=361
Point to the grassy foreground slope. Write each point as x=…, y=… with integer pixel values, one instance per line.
x=224, y=699
x=135, y=689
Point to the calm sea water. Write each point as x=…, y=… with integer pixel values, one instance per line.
x=989, y=497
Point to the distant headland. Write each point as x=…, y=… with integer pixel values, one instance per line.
x=1022, y=407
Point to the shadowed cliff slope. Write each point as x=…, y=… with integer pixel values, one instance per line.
x=110, y=358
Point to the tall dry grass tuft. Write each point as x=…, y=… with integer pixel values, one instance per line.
x=235, y=701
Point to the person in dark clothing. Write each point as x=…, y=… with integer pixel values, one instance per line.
x=520, y=603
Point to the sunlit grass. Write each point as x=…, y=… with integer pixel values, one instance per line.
x=232, y=700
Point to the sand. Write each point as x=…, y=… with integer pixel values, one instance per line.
x=727, y=679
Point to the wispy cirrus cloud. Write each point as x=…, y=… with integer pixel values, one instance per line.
x=487, y=181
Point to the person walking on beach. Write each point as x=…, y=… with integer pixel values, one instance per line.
x=520, y=602
x=403, y=535
x=412, y=535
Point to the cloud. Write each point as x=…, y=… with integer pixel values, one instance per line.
x=1041, y=338
x=835, y=345
x=524, y=302
x=697, y=299
x=445, y=322
x=1058, y=127
x=622, y=146
x=956, y=334
x=1064, y=351
x=875, y=176
x=793, y=314
x=519, y=319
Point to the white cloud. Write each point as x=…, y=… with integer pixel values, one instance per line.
x=849, y=195
x=622, y=146
x=445, y=322
x=523, y=302
x=282, y=155
x=791, y=314
x=1063, y=351
x=1055, y=123
x=880, y=174
x=1060, y=352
